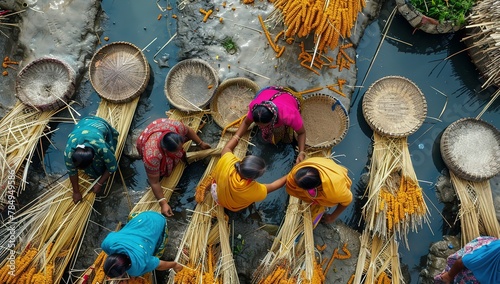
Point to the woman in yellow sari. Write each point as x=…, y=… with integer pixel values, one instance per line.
x=323, y=183
x=234, y=186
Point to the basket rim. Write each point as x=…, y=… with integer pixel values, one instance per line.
x=334, y=101
x=181, y=64
x=132, y=95
x=453, y=164
x=71, y=79
x=222, y=87
x=380, y=127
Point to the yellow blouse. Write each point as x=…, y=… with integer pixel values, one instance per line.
x=233, y=191
x=335, y=184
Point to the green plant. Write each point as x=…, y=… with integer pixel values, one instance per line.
x=454, y=11
x=238, y=246
x=229, y=45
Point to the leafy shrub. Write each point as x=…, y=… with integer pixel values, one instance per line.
x=454, y=11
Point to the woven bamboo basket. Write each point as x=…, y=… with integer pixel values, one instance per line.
x=394, y=106
x=471, y=149
x=231, y=100
x=325, y=119
x=45, y=84
x=119, y=72
x=191, y=84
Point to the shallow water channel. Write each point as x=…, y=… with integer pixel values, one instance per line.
x=422, y=62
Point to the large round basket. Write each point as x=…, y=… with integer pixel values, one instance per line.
x=191, y=84
x=231, y=100
x=394, y=106
x=325, y=120
x=45, y=84
x=119, y=72
x=471, y=149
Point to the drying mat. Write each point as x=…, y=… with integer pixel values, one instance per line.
x=191, y=84
x=119, y=72
x=45, y=84
x=231, y=100
x=394, y=106
x=325, y=120
x=471, y=149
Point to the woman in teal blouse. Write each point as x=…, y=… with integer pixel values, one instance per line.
x=91, y=147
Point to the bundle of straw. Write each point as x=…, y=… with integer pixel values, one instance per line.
x=60, y=223
x=395, y=200
x=477, y=211
x=485, y=37
x=378, y=260
x=395, y=205
x=198, y=155
x=20, y=131
x=205, y=242
x=291, y=257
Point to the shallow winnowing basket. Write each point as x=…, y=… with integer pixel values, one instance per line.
x=191, y=84
x=119, y=72
x=471, y=149
x=394, y=106
x=45, y=84
x=231, y=100
x=325, y=119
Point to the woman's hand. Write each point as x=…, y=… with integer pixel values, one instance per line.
x=177, y=267
x=204, y=145
x=77, y=197
x=300, y=157
x=96, y=188
x=166, y=210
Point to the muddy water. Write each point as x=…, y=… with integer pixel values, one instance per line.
x=423, y=63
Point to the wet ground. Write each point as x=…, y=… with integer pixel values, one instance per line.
x=422, y=62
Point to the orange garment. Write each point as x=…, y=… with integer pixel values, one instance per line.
x=335, y=184
x=233, y=191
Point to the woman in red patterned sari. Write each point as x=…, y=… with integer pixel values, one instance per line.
x=160, y=146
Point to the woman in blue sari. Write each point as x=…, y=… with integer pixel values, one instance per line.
x=477, y=262
x=91, y=147
x=136, y=248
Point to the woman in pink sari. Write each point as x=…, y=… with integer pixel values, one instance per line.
x=276, y=111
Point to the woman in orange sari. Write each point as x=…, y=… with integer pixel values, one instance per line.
x=234, y=186
x=323, y=183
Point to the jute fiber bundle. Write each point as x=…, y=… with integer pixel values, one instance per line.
x=20, y=131
x=56, y=227
x=395, y=200
x=485, y=24
x=395, y=205
x=291, y=256
x=378, y=260
x=477, y=211
x=205, y=251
